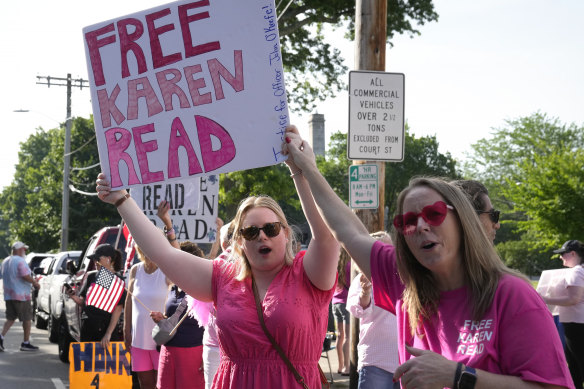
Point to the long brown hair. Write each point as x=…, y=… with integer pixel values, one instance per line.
x=481, y=265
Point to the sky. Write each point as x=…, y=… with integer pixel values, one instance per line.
x=483, y=62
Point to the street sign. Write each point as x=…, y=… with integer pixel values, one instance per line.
x=376, y=116
x=363, y=186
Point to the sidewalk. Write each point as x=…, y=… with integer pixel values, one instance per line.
x=339, y=380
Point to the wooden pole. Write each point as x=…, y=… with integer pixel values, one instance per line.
x=370, y=42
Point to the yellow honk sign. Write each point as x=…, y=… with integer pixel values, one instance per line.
x=92, y=366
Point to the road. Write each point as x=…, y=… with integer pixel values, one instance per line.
x=29, y=370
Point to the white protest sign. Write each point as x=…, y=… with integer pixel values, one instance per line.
x=187, y=89
x=193, y=206
x=552, y=284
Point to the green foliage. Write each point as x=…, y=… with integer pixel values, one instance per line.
x=273, y=181
x=315, y=68
x=533, y=167
x=31, y=205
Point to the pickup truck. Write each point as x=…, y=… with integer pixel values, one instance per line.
x=69, y=323
x=50, y=299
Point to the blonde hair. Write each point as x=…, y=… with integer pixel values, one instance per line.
x=243, y=269
x=482, y=266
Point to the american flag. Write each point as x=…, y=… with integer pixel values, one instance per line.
x=106, y=292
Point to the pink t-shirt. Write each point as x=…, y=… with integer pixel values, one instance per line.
x=295, y=313
x=516, y=336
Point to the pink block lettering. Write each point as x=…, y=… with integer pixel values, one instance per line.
x=185, y=19
x=118, y=140
x=214, y=159
x=141, y=88
x=180, y=138
x=93, y=45
x=169, y=88
x=196, y=84
x=108, y=108
x=217, y=69
x=128, y=43
x=158, y=58
x=143, y=148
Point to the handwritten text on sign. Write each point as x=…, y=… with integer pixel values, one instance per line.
x=193, y=206
x=93, y=366
x=186, y=89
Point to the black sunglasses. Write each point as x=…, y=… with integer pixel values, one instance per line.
x=493, y=214
x=270, y=229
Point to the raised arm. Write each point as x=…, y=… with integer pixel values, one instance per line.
x=322, y=255
x=341, y=221
x=191, y=273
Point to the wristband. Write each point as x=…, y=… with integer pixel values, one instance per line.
x=457, y=375
x=120, y=201
x=168, y=232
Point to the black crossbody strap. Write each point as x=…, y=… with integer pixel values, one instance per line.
x=297, y=375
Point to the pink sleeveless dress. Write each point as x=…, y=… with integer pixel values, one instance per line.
x=295, y=313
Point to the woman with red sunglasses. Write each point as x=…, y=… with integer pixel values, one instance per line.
x=465, y=320
x=293, y=290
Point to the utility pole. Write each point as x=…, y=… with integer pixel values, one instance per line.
x=69, y=83
x=370, y=42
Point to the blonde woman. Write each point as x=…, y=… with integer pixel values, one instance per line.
x=293, y=291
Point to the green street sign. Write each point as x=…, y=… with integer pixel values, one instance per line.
x=363, y=186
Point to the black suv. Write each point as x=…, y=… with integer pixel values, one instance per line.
x=70, y=320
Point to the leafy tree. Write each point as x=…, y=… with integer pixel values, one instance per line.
x=315, y=68
x=533, y=168
x=32, y=203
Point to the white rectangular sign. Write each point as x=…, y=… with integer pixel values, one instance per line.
x=193, y=206
x=187, y=89
x=363, y=186
x=376, y=116
x=552, y=284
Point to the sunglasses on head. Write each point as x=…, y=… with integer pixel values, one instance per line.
x=270, y=229
x=433, y=214
x=493, y=215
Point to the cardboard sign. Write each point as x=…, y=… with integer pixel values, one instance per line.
x=92, y=366
x=187, y=89
x=194, y=206
x=552, y=284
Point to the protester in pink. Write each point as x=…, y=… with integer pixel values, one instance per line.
x=465, y=320
x=293, y=292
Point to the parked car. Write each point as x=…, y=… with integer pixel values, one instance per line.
x=49, y=299
x=37, y=261
x=70, y=319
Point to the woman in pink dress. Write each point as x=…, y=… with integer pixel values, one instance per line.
x=294, y=290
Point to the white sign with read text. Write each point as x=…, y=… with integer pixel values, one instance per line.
x=363, y=186
x=185, y=89
x=376, y=116
x=193, y=206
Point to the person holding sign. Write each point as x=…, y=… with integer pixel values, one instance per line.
x=102, y=296
x=571, y=307
x=266, y=284
x=465, y=320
